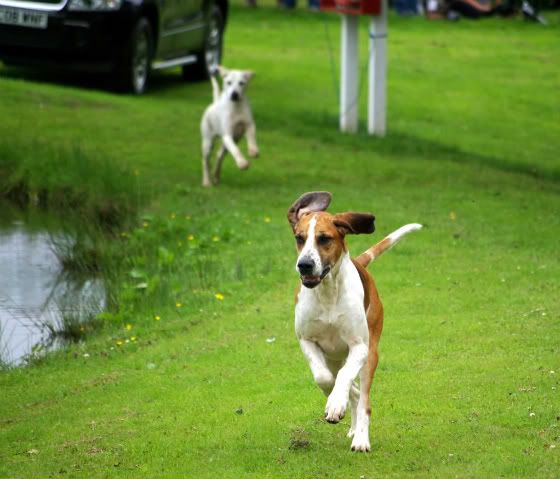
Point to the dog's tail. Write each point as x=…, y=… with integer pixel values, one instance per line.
x=215, y=87
x=385, y=244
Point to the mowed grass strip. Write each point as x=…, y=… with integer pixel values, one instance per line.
x=468, y=377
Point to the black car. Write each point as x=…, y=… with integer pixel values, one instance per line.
x=126, y=38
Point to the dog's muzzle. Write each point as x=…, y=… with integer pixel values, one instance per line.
x=310, y=280
x=235, y=96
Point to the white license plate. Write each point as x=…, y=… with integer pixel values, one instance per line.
x=23, y=18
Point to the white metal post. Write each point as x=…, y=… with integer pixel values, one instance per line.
x=349, y=74
x=377, y=81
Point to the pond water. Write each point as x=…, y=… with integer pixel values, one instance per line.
x=38, y=298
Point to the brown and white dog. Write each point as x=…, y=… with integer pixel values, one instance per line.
x=338, y=315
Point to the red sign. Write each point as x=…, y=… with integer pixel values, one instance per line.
x=352, y=7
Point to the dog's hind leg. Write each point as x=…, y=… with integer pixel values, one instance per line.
x=218, y=166
x=360, y=441
x=206, y=151
x=354, y=399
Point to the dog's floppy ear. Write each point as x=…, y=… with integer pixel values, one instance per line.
x=223, y=71
x=308, y=202
x=354, y=223
x=248, y=74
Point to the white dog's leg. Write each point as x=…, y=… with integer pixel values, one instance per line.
x=338, y=399
x=230, y=145
x=318, y=364
x=252, y=140
x=206, y=151
x=218, y=166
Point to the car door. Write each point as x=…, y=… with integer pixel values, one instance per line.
x=182, y=27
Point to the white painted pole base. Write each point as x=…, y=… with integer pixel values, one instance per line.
x=349, y=74
x=377, y=81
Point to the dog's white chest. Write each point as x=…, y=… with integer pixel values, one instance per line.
x=329, y=326
x=328, y=335
x=331, y=320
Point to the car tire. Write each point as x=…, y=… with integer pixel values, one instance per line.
x=211, y=54
x=133, y=70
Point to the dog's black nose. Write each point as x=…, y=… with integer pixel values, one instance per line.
x=305, y=266
x=235, y=96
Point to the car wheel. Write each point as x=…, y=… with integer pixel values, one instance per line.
x=211, y=54
x=134, y=68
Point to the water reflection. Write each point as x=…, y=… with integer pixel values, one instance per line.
x=37, y=297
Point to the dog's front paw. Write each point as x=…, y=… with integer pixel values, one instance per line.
x=253, y=152
x=243, y=164
x=206, y=183
x=335, y=409
x=361, y=443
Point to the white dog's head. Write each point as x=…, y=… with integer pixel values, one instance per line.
x=234, y=82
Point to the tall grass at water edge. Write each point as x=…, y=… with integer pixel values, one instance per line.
x=69, y=179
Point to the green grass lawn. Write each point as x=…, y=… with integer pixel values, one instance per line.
x=469, y=377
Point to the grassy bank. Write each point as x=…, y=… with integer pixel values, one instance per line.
x=197, y=372
x=66, y=178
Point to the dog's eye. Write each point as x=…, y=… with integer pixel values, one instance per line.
x=300, y=240
x=323, y=240
x=241, y=83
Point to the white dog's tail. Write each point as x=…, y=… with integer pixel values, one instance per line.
x=385, y=244
x=215, y=87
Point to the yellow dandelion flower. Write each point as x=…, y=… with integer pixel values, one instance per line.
x=190, y=237
x=127, y=341
x=145, y=224
x=178, y=305
x=172, y=216
x=133, y=338
x=267, y=220
x=157, y=318
x=219, y=296
x=119, y=343
x=452, y=216
x=128, y=327
x=215, y=238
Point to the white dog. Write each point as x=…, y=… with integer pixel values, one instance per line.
x=228, y=117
